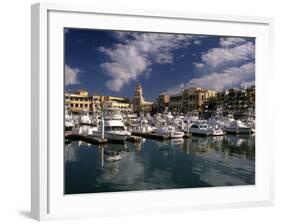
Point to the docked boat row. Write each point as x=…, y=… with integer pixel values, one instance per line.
x=112, y=125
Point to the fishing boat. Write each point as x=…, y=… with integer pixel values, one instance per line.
x=68, y=120
x=84, y=118
x=111, y=156
x=84, y=130
x=238, y=127
x=205, y=129
x=142, y=126
x=169, y=131
x=111, y=129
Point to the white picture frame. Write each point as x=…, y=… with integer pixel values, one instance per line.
x=48, y=201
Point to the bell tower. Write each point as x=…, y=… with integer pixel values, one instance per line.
x=138, y=98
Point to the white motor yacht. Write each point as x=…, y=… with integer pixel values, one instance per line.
x=111, y=156
x=113, y=115
x=169, y=131
x=114, y=130
x=84, y=118
x=250, y=122
x=238, y=127
x=205, y=129
x=84, y=130
x=143, y=127
x=68, y=120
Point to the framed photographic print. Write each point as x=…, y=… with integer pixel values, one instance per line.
x=147, y=111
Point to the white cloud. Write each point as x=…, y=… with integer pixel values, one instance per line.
x=164, y=58
x=135, y=52
x=126, y=66
x=198, y=65
x=231, y=41
x=71, y=75
x=221, y=56
x=247, y=84
x=174, y=91
x=197, y=42
x=228, y=78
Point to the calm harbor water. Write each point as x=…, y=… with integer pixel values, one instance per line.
x=182, y=163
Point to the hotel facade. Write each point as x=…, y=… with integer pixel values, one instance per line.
x=236, y=101
x=190, y=99
x=78, y=101
x=81, y=100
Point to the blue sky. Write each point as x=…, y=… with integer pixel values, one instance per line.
x=112, y=62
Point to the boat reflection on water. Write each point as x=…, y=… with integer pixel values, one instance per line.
x=234, y=145
x=152, y=164
x=109, y=163
x=239, y=146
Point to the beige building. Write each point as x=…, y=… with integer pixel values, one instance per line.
x=211, y=93
x=78, y=101
x=120, y=103
x=162, y=102
x=175, y=103
x=97, y=103
x=191, y=99
x=195, y=98
x=139, y=103
x=237, y=101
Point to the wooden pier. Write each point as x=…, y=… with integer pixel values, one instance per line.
x=85, y=138
x=187, y=135
x=134, y=139
x=151, y=135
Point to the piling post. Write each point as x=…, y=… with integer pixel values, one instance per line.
x=102, y=128
x=101, y=156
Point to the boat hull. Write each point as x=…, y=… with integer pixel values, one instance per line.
x=238, y=130
x=206, y=132
x=170, y=134
x=176, y=135
x=112, y=136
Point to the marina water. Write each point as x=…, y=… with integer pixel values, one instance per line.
x=152, y=165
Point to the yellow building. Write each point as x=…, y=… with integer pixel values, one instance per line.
x=175, y=103
x=113, y=102
x=190, y=99
x=78, y=101
x=211, y=93
x=97, y=103
x=162, y=102
x=195, y=98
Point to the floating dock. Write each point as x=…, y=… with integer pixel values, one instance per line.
x=151, y=135
x=157, y=136
x=134, y=139
x=207, y=135
x=187, y=135
x=85, y=138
